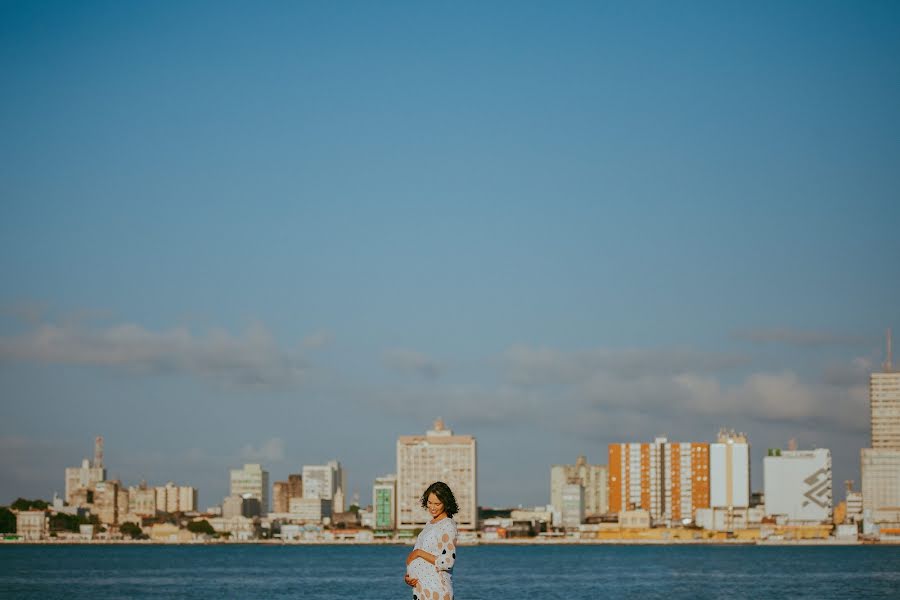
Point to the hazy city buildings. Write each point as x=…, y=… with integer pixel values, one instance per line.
x=669, y=480
x=798, y=485
x=593, y=478
x=251, y=481
x=729, y=471
x=436, y=456
x=84, y=479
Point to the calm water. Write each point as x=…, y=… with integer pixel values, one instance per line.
x=482, y=573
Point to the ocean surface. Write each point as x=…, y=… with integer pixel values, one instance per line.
x=482, y=573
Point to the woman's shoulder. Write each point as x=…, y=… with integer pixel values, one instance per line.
x=448, y=524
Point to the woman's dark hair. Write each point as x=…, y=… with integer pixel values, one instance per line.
x=444, y=494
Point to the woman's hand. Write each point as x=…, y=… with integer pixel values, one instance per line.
x=412, y=556
x=410, y=581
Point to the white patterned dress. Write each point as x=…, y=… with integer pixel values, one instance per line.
x=435, y=580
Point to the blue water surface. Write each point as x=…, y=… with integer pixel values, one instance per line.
x=484, y=572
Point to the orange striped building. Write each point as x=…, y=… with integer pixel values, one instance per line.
x=670, y=480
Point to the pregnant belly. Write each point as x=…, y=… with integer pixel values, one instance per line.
x=421, y=569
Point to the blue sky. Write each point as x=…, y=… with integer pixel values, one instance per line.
x=293, y=232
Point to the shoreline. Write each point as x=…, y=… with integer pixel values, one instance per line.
x=617, y=542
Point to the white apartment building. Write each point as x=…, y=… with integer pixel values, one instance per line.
x=436, y=456
x=729, y=471
x=572, y=505
x=323, y=481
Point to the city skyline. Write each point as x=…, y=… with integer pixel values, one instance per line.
x=291, y=233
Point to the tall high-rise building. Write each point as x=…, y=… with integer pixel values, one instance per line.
x=593, y=478
x=251, y=481
x=798, y=485
x=384, y=501
x=670, y=480
x=436, y=456
x=880, y=464
x=323, y=481
x=729, y=471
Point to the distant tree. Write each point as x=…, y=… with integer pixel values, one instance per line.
x=7, y=521
x=23, y=504
x=354, y=508
x=201, y=526
x=131, y=530
x=64, y=522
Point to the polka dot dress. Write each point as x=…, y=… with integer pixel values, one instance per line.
x=435, y=580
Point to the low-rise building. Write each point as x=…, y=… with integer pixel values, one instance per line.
x=32, y=525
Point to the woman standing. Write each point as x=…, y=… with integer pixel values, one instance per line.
x=429, y=567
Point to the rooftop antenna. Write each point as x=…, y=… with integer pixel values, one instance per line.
x=889, y=363
x=98, y=452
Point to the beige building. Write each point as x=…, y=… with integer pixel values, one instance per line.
x=880, y=464
x=436, y=456
x=252, y=480
x=82, y=478
x=32, y=524
x=281, y=497
x=106, y=502
x=593, y=478
x=142, y=501
x=310, y=510
x=187, y=498
x=884, y=400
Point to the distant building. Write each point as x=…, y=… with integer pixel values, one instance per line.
x=310, y=510
x=241, y=506
x=572, y=505
x=384, y=499
x=295, y=485
x=338, y=504
x=323, y=481
x=83, y=478
x=884, y=402
x=880, y=484
x=669, y=480
x=252, y=480
x=280, y=497
x=729, y=471
x=798, y=485
x=593, y=478
x=32, y=525
x=187, y=498
x=436, y=456
x=880, y=464
x=106, y=502
x=142, y=500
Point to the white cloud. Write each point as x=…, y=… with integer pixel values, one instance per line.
x=252, y=357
